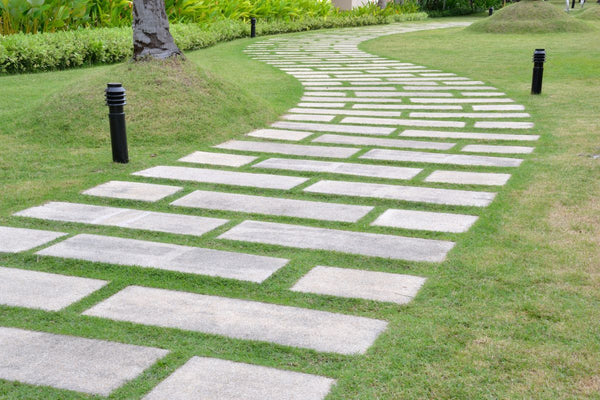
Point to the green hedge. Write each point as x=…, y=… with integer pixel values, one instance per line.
x=61, y=50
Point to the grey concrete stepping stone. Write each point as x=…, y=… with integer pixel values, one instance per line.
x=357, y=88
x=323, y=98
x=405, y=193
x=440, y=158
x=370, y=141
x=482, y=94
x=273, y=206
x=228, y=160
x=321, y=105
x=308, y=117
x=279, y=134
x=212, y=378
x=455, y=100
x=346, y=112
x=356, y=283
x=41, y=290
x=403, y=122
x=124, y=217
x=15, y=240
x=72, y=363
x=362, y=130
x=242, y=319
x=170, y=257
x=480, y=148
x=503, y=125
x=469, y=135
x=425, y=221
x=434, y=88
x=133, y=191
x=264, y=181
x=499, y=107
x=359, y=243
x=401, y=94
x=468, y=115
x=468, y=178
x=404, y=107
x=376, y=171
x=291, y=149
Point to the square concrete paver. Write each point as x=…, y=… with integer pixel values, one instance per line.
x=228, y=160
x=41, y=290
x=212, y=378
x=166, y=256
x=425, y=221
x=359, y=243
x=124, y=217
x=72, y=363
x=356, y=283
x=15, y=240
x=242, y=319
x=133, y=191
x=291, y=149
x=468, y=178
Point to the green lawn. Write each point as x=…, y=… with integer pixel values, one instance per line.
x=512, y=314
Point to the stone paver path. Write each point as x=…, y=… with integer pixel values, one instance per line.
x=395, y=137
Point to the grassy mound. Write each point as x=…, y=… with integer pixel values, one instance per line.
x=592, y=13
x=530, y=17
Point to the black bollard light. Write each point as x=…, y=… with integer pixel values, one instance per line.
x=491, y=11
x=539, y=58
x=115, y=100
x=252, y=27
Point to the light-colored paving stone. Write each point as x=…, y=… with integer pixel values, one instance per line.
x=480, y=148
x=41, y=290
x=72, y=363
x=503, y=125
x=440, y=158
x=124, y=217
x=15, y=240
x=279, y=134
x=403, y=122
x=375, y=171
x=468, y=178
x=212, y=378
x=355, y=283
x=291, y=149
x=405, y=107
x=228, y=160
x=322, y=98
x=469, y=135
x=308, y=117
x=170, y=257
x=499, y=107
x=359, y=243
x=321, y=105
x=242, y=319
x=425, y=221
x=361, y=130
x=273, y=206
x=339, y=96
x=405, y=193
x=346, y=112
x=133, y=191
x=264, y=181
x=482, y=94
x=459, y=101
x=401, y=94
x=370, y=141
x=468, y=115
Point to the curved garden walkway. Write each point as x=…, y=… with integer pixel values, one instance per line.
x=381, y=129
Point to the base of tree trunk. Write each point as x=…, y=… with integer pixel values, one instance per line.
x=151, y=35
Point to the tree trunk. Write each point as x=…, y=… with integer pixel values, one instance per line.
x=151, y=36
x=381, y=3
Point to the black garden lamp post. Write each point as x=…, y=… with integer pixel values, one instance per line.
x=539, y=58
x=115, y=100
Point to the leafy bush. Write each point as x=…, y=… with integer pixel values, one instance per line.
x=68, y=49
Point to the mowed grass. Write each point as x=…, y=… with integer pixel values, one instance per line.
x=512, y=313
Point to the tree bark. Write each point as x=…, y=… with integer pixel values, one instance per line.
x=381, y=3
x=151, y=36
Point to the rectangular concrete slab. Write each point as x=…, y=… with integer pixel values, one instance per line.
x=133, y=191
x=459, y=101
x=15, y=240
x=468, y=115
x=405, y=193
x=170, y=257
x=41, y=290
x=375, y=171
x=308, y=117
x=124, y=217
x=228, y=160
x=72, y=363
x=499, y=107
x=273, y=206
x=212, y=378
x=291, y=149
x=346, y=112
x=440, y=158
x=359, y=243
x=370, y=141
x=279, y=134
x=323, y=98
x=482, y=94
x=242, y=319
x=480, y=148
x=356, y=283
x=264, y=181
x=405, y=107
x=361, y=130
x=321, y=105
x=503, y=125
x=403, y=122
x=425, y=221
x=469, y=135
x=468, y=178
